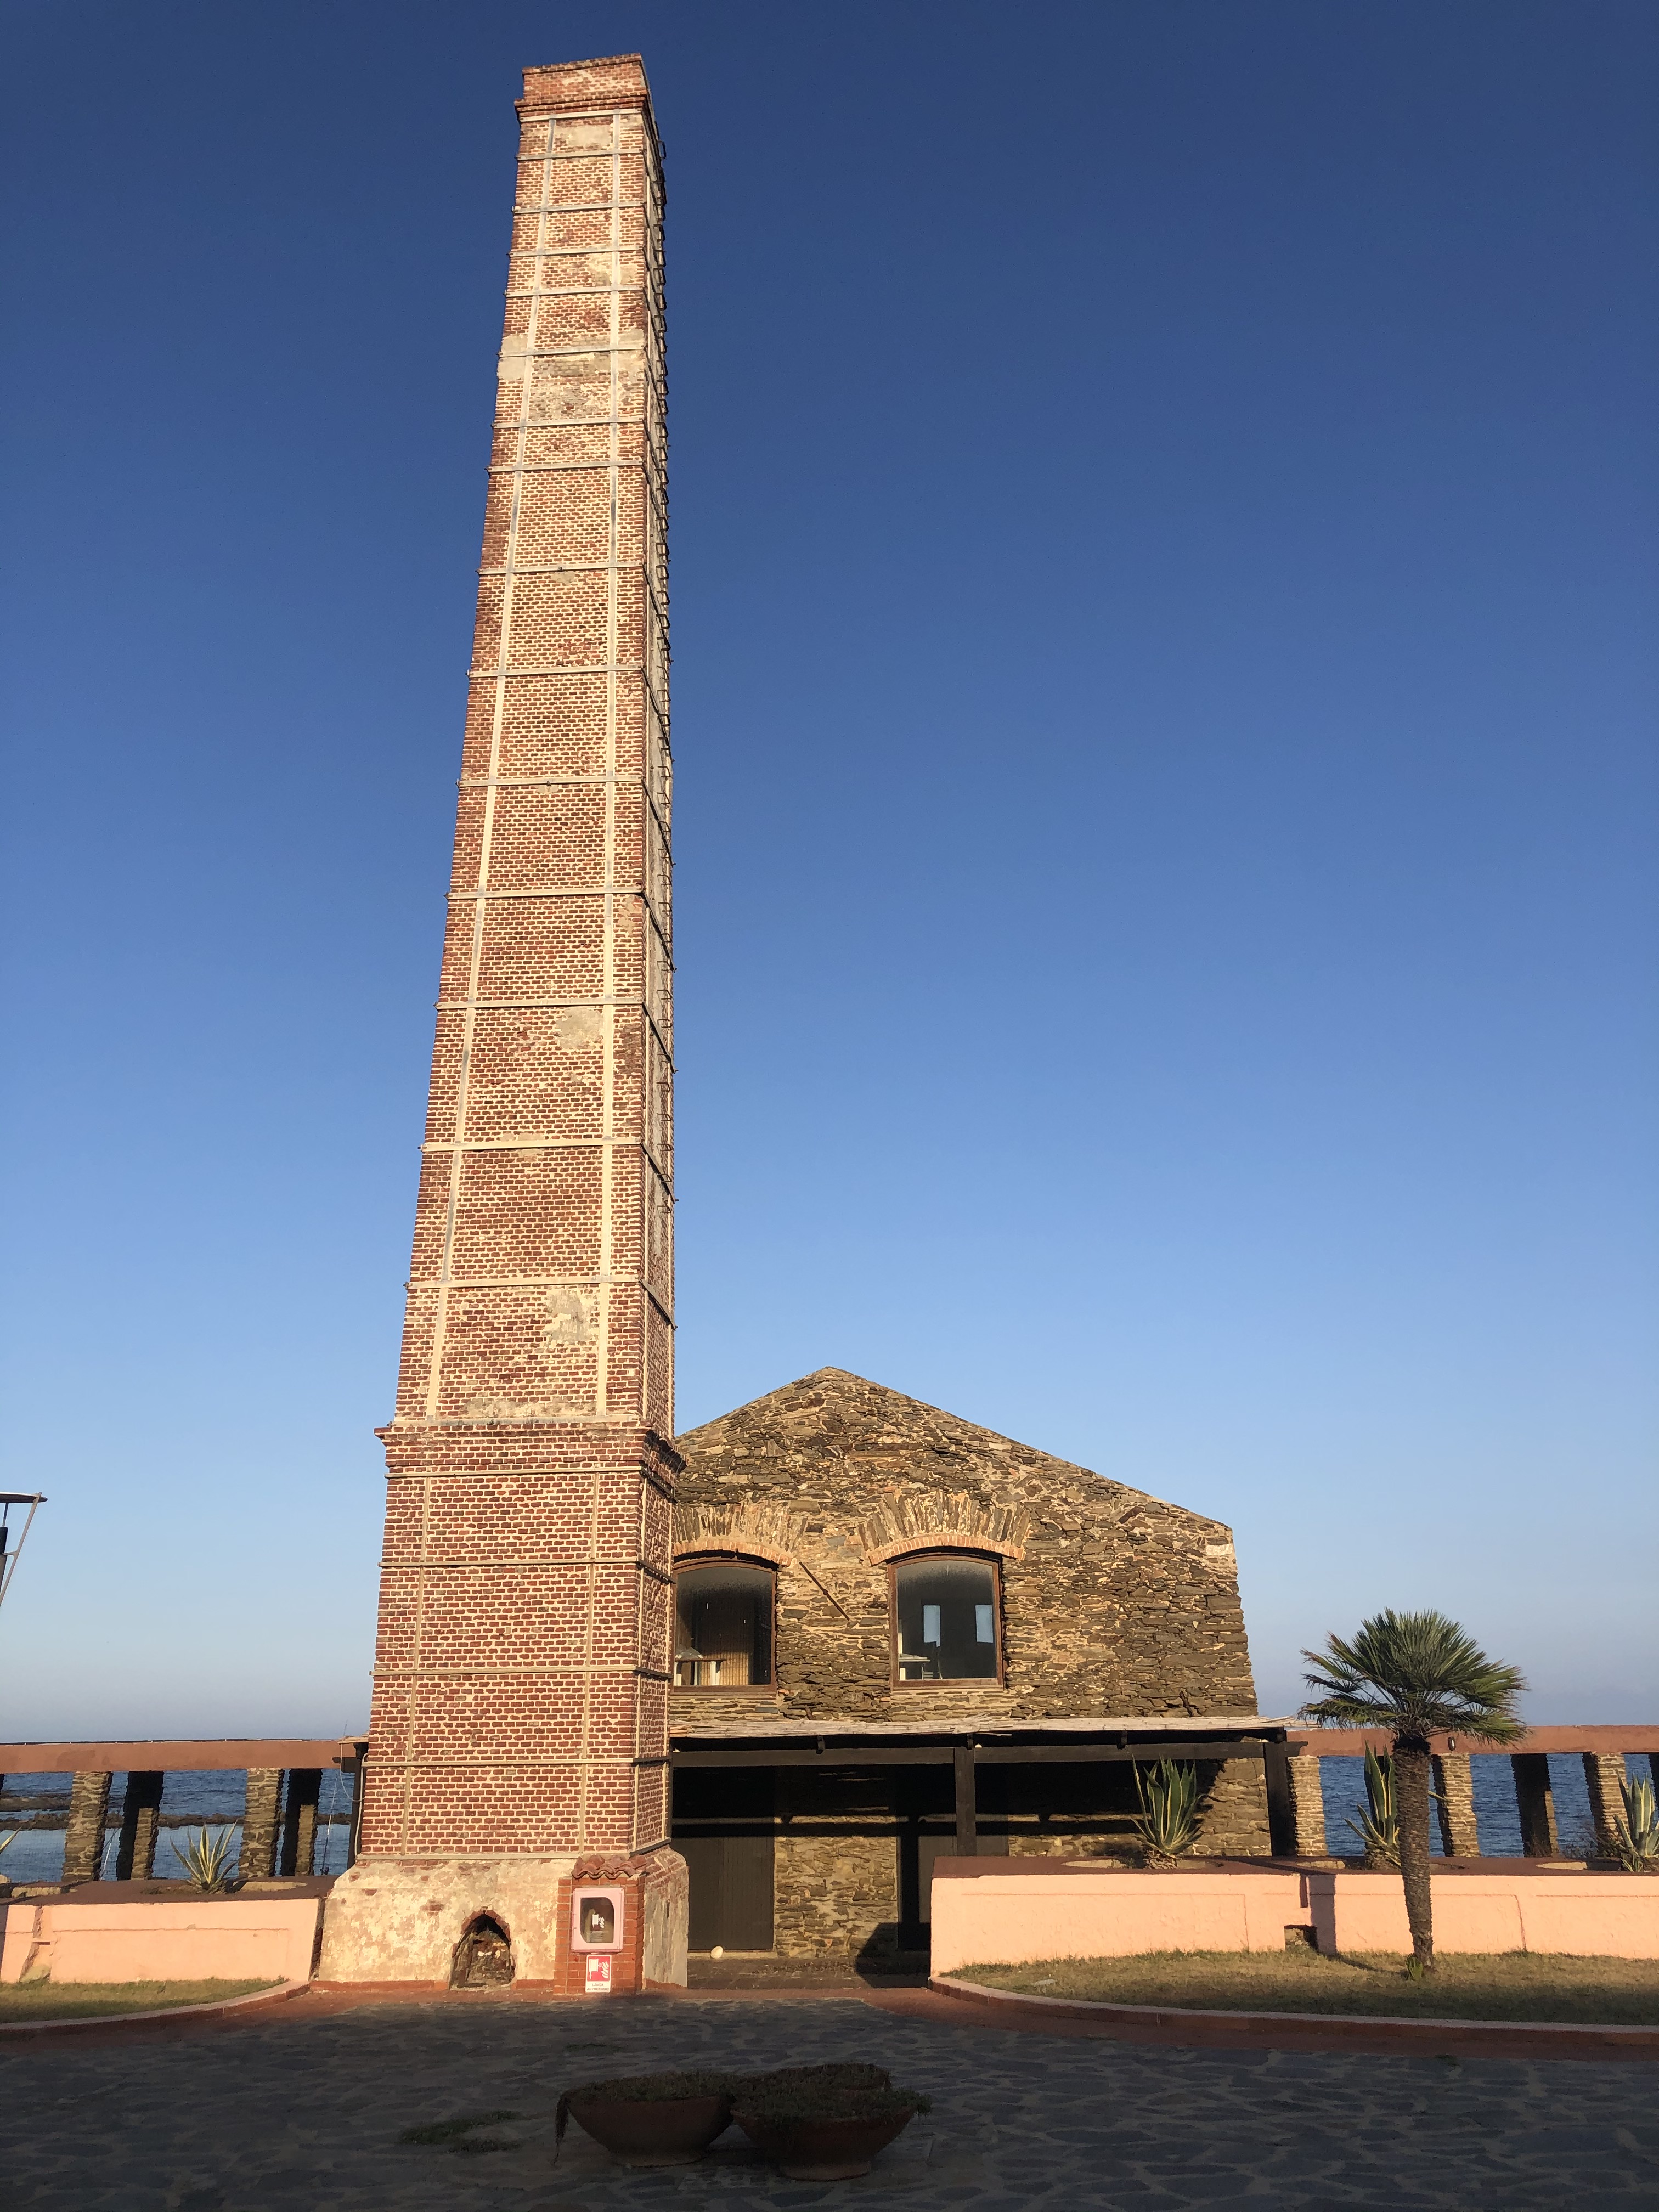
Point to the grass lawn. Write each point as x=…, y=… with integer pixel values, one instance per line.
x=32, y=2001
x=1502, y=1985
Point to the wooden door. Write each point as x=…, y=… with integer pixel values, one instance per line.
x=731, y=1891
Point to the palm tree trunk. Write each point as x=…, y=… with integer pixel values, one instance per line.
x=1411, y=1782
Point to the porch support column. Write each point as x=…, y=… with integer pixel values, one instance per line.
x=300, y=1820
x=1453, y=1785
x=258, y=1859
x=967, y=1803
x=83, y=1839
x=141, y=1816
x=1604, y=1771
x=1535, y=1804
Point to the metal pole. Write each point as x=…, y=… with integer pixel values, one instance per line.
x=34, y=1499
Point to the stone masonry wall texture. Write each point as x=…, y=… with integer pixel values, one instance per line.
x=521, y=1665
x=1113, y=1603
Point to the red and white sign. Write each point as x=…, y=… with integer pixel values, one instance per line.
x=599, y=1973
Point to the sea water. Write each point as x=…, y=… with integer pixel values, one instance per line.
x=210, y=1800
x=1342, y=1782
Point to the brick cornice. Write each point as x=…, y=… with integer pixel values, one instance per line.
x=610, y=81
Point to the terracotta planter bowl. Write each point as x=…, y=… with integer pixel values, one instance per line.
x=675, y=2131
x=823, y=2150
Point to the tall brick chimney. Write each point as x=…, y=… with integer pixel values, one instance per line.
x=519, y=1736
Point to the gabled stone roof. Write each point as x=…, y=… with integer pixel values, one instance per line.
x=950, y=1480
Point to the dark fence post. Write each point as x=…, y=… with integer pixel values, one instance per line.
x=966, y=1805
x=300, y=1820
x=1534, y=1803
x=354, y=1827
x=141, y=1815
x=1281, y=1807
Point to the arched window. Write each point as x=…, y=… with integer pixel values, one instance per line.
x=947, y=1617
x=723, y=1625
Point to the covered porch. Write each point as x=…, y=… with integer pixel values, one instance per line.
x=818, y=1839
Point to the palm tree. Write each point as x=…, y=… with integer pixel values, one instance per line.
x=1419, y=1675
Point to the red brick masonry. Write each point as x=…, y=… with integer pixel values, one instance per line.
x=522, y=1663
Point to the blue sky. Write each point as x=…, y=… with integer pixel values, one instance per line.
x=1163, y=539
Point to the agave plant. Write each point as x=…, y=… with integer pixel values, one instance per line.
x=207, y=1858
x=1168, y=1822
x=1635, y=1837
x=1378, y=1826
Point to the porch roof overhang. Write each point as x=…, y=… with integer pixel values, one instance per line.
x=987, y=1739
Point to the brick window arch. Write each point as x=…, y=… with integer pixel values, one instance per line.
x=946, y=1612
x=724, y=1607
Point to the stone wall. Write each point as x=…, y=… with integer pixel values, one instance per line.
x=833, y=1893
x=1114, y=1603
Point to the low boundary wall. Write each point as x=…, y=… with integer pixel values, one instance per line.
x=83, y=1937
x=1010, y=1912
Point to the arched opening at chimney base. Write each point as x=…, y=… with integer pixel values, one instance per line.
x=483, y=1957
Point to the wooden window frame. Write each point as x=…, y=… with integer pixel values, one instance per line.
x=898, y=1681
x=690, y=1561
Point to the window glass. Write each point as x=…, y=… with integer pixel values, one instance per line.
x=947, y=1620
x=722, y=1626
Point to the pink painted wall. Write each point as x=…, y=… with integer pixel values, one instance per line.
x=1005, y=1919
x=1009, y=1919
x=1608, y=1915
x=230, y=1939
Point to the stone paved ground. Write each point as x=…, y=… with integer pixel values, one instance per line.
x=297, y=2111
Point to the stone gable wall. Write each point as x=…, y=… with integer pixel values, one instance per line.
x=1113, y=1603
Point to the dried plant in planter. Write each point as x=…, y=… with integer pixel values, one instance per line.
x=1168, y=1821
x=823, y=2123
x=208, y=1858
x=1635, y=1837
x=650, y=2119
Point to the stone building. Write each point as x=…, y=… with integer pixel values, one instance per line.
x=897, y=1634
x=967, y=1640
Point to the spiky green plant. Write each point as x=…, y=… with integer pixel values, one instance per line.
x=1418, y=1674
x=10, y=1838
x=208, y=1858
x=1635, y=1837
x=1378, y=1826
x=1168, y=1821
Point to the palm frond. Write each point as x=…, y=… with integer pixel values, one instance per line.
x=1418, y=1674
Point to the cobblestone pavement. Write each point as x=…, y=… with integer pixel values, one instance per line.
x=307, y=2112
